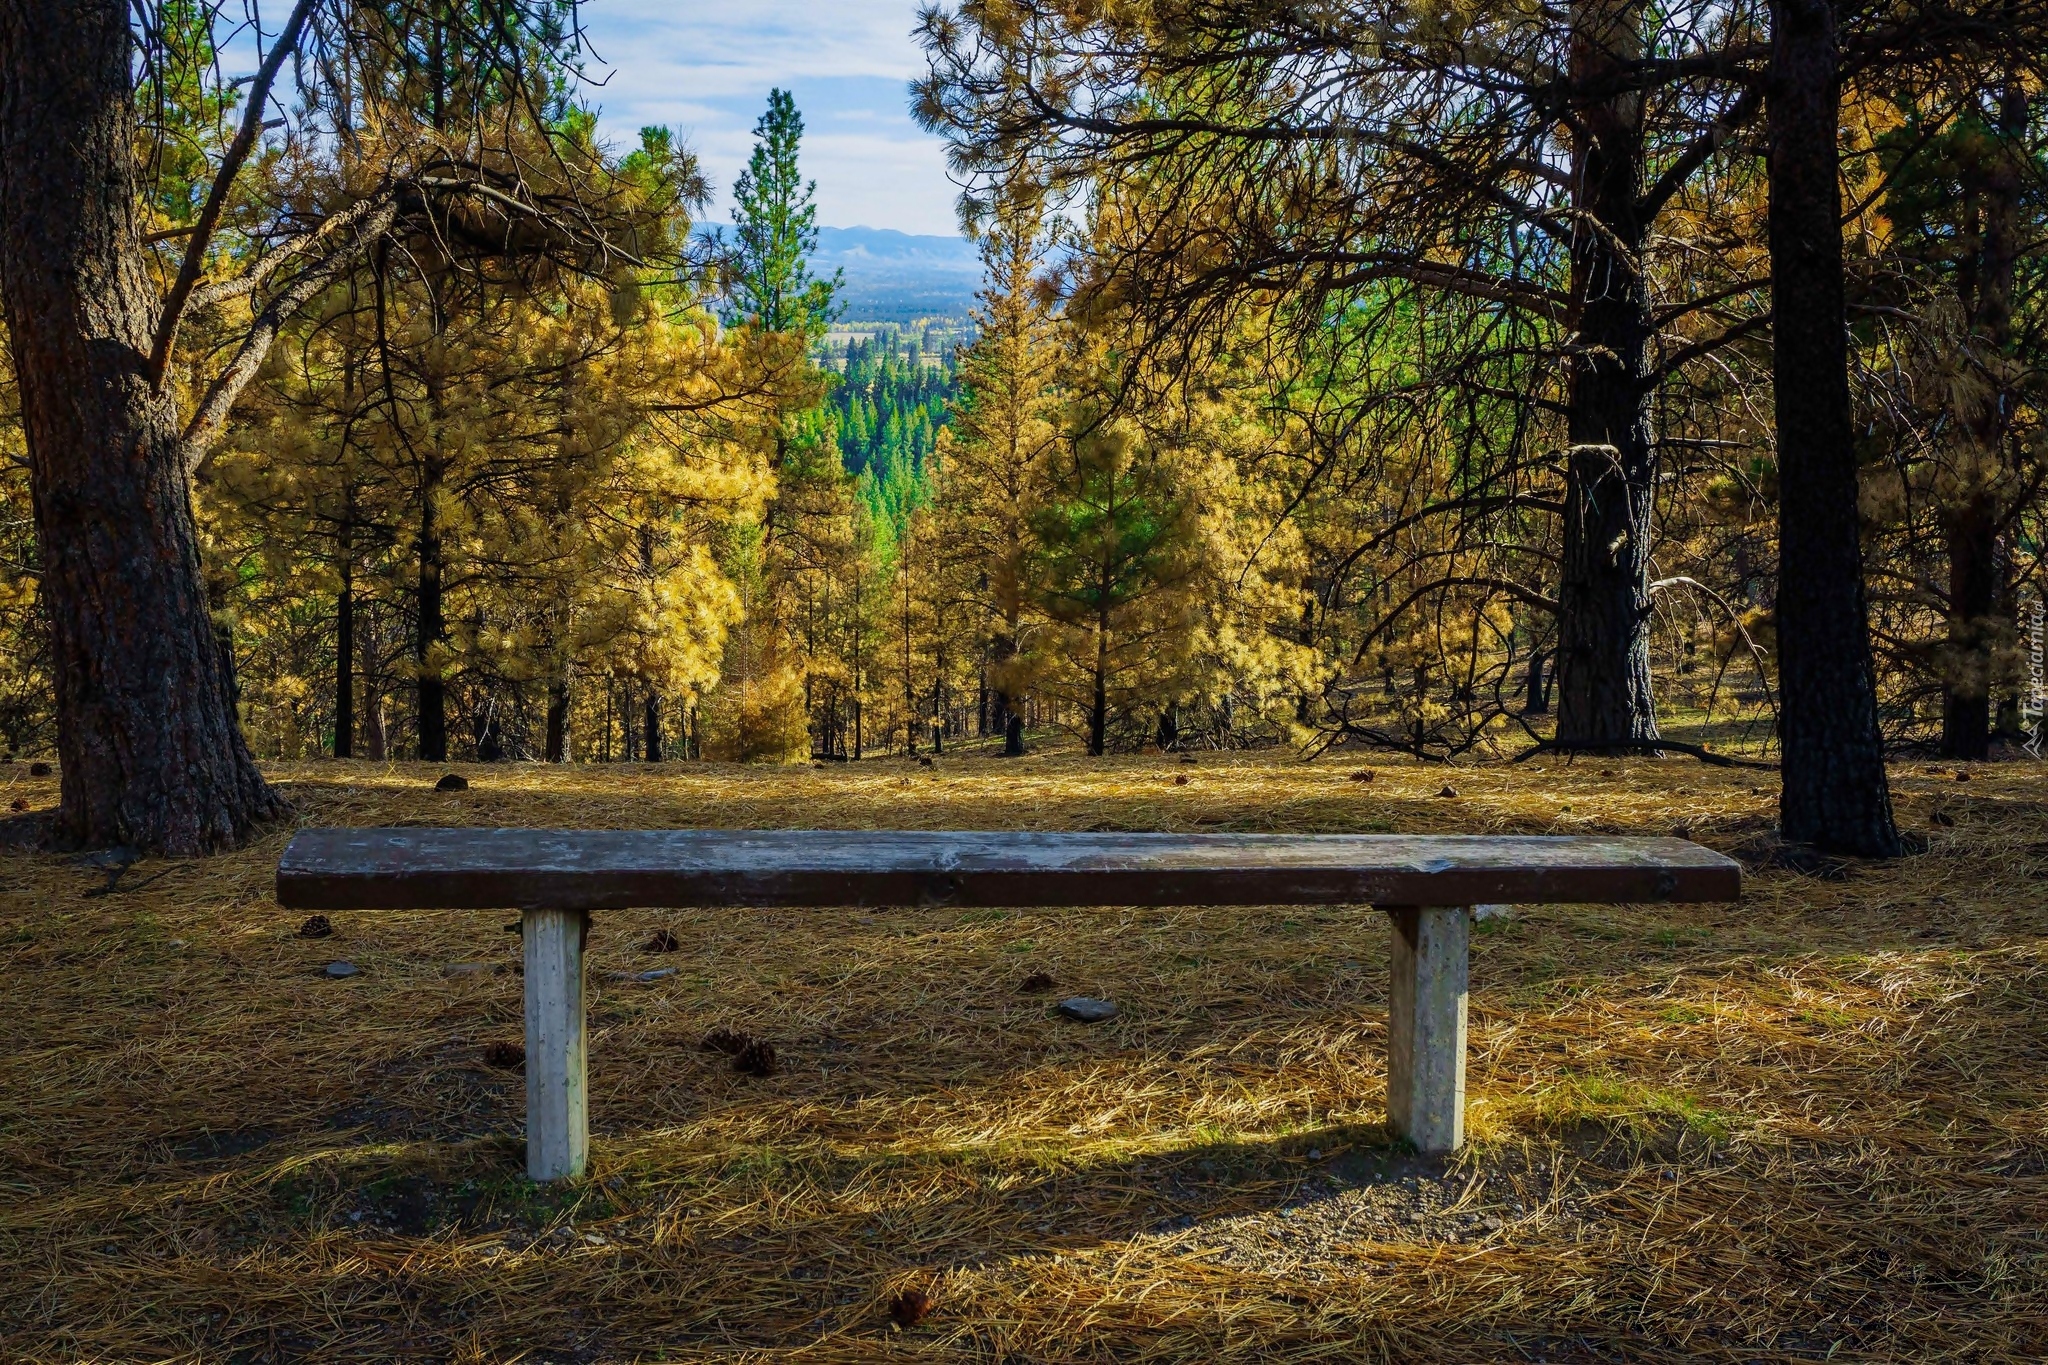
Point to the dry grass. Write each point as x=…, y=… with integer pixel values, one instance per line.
x=1808, y=1126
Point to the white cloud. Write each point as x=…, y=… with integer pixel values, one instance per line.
x=706, y=70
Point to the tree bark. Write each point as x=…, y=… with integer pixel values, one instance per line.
x=152, y=753
x=1603, y=657
x=1835, y=795
x=650, y=714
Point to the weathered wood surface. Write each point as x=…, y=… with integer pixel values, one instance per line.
x=1426, y=1014
x=453, y=869
x=557, y=1045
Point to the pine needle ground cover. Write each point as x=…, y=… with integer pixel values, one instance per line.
x=1809, y=1126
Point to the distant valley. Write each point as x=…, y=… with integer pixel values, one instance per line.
x=893, y=276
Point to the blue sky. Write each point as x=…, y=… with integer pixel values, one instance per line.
x=705, y=70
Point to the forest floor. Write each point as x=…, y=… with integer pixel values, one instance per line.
x=1808, y=1126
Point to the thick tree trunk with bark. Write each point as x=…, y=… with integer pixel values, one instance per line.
x=1603, y=657
x=1835, y=795
x=146, y=730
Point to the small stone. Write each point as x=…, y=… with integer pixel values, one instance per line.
x=316, y=926
x=1315, y=1154
x=1087, y=1010
x=1962, y=775
x=1448, y=790
x=339, y=970
x=1181, y=780
x=111, y=859
x=38, y=770
x=176, y=945
x=1492, y=1224
x=656, y=974
x=452, y=782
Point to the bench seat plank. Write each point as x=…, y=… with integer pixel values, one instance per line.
x=554, y=869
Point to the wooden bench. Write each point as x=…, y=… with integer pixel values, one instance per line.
x=556, y=878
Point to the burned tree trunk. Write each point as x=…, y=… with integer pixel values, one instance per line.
x=146, y=730
x=1603, y=655
x=1835, y=795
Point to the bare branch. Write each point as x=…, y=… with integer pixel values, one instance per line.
x=223, y=180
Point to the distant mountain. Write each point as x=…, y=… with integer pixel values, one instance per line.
x=894, y=276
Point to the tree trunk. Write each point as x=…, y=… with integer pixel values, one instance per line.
x=152, y=753
x=1971, y=528
x=375, y=740
x=490, y=738
x=558, y=720
x=433, y=693
x=650, y=715
x=345, y=656
x=1538, y=702
x=1603, y=663
x=1835, y=795
x=1098, y=710
x=1972, y=542
x=1008, y=715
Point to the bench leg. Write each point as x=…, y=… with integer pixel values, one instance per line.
x=1426, y=1030
x=557, y=1092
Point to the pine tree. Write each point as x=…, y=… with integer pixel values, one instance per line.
x=776, y=230
x=1002, y=436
